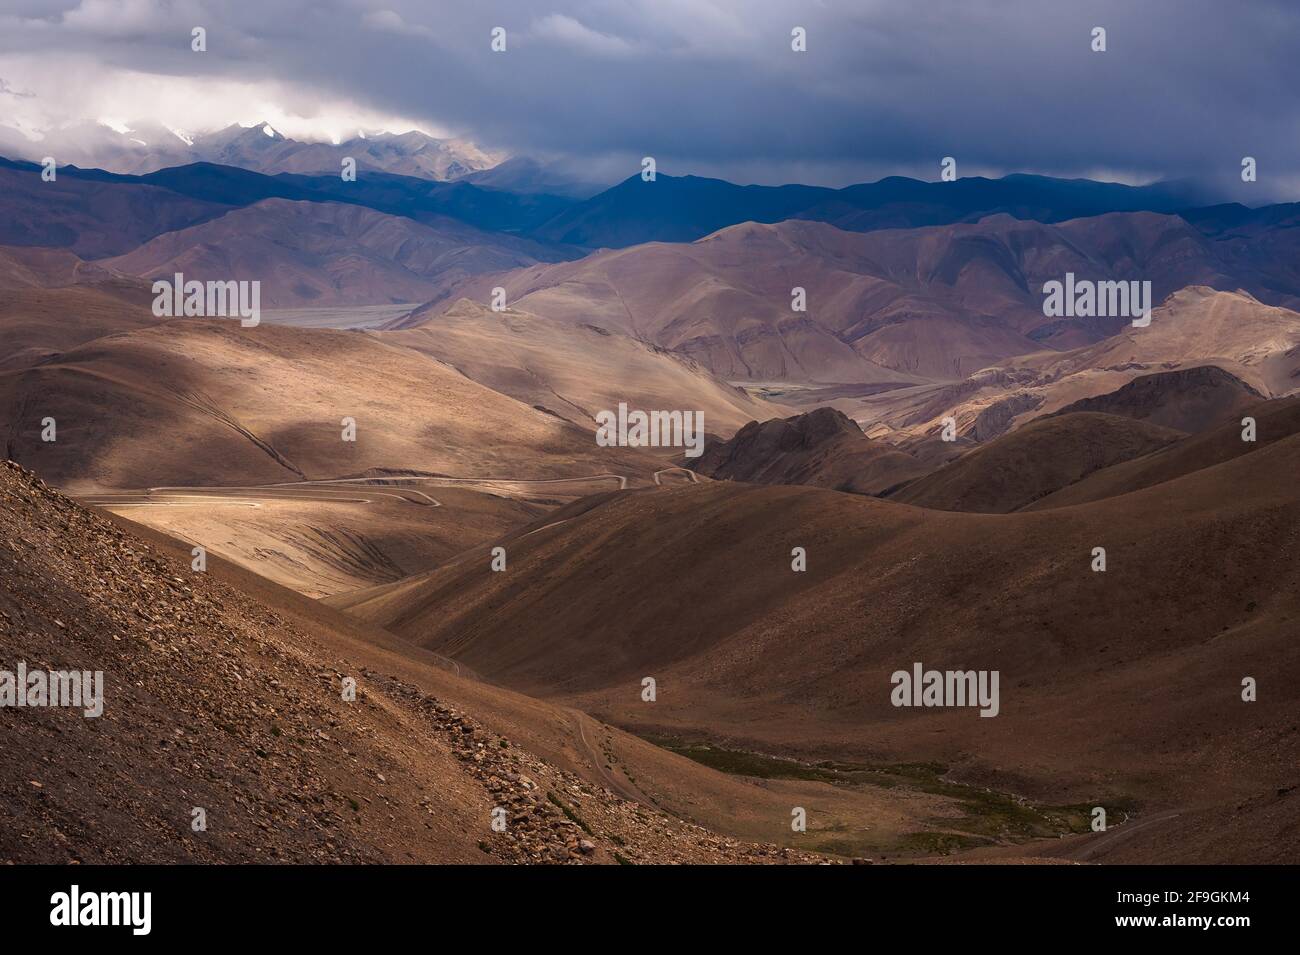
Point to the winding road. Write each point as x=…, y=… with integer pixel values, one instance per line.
x=687, y=471
x=622, y=787
x=338, y=490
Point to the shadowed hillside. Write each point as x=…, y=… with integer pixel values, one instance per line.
x=823, y=448
x=1032, y=462
x=202, y=401
x=696, y=589
x=573, y=371
x=1189, y=400
x=232, y=704
x=1274, y=420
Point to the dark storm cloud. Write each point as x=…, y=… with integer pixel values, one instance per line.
x=1185, y=88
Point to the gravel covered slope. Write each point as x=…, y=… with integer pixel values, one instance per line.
x=213, y=701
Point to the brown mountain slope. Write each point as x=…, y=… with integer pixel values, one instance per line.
x=37, y=323
x=1196, y=326
x=1275, y=420
x=823, y=448
x=35, y=267
x=1117, y=687
x=232, y=410
x=52, y=300
x=725, y=300
x=939, y=302
x=1191, y=399
x=1200, y=326
x=574, y=371
x=1044, y=456
x=252, y=735
x=198, y=401
x=329, y=538
x=220, y=701
x=327, y=253
x=744, y=806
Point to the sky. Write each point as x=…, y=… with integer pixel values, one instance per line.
x=1184, y=89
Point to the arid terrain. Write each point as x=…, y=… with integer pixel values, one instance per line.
x=229, y=699
x=1199, y=591
x=574, y=647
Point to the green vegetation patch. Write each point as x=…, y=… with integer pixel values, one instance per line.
x=988, y=817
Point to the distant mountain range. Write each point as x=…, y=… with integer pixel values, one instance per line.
x=220, y=188
x=525, y=197
x=328, y=253
x=416, y=176
x=885, y=306
x=262, y=149
x=148, y=147
x=673, y=209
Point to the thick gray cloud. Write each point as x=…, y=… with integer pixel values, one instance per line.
x=1186, y=88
